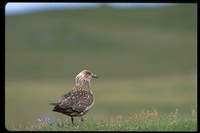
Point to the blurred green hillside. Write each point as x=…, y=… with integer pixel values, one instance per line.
x=115, y=43
x=145, y=57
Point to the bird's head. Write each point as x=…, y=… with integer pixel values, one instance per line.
x=85, y=75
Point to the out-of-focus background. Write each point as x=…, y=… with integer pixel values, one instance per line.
x=145, y=55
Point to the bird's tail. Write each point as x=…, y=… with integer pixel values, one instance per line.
x=54, y=104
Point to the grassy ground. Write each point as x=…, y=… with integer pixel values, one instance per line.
x=149, y=120
x=144, y=57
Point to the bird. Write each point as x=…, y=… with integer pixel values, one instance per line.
x=78, y=101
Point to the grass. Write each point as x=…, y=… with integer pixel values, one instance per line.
x=149, y=120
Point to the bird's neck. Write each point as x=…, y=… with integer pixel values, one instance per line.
x=84, y=83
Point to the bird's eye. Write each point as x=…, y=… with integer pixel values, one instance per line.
x=87, y=72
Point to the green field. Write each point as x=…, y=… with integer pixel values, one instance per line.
x=144, y=57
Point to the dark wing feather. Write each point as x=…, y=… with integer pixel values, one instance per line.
x=54, y=104
x=64, y=105
x=66, y=100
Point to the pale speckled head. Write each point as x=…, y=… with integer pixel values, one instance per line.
x=85, y=75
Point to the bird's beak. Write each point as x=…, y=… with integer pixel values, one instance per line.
x=94, y=76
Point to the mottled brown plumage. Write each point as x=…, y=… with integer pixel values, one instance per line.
x=78, y=101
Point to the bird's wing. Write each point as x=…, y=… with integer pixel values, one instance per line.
x=84, y=100
x=66, y=101
x=76, y=100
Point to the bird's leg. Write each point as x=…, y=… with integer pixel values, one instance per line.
x=82, y=119
x=72, y=120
